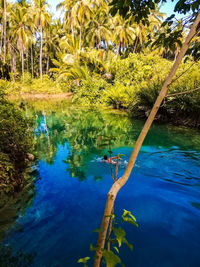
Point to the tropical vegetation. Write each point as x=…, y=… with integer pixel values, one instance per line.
x=103, y=55
x=16, y=141
x=112, y=53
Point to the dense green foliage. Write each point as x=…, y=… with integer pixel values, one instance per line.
x=15, y=142
x=80, y=128
x=105, y=52
x=135, y=83
x=11, y=259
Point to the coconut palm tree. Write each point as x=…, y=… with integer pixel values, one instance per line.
x=42, y=18
x=81, y=12
x=51, y=43
x=4, y=30
x=143, y=32
x=66, y=6
x=20, y=31
x=99, y=26
x=124, y=33
x=1, y=25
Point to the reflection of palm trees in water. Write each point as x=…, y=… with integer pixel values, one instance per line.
x=48, y=137
x=46, y=128
x=76, y=165
x=13, y=206
x=10, y=259
x=10, y=209
x=79, y=129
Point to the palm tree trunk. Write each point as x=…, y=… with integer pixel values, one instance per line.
x=32, y=70
x=118, y=48
x=22, y=59
x=120, y=183
x=47, y=67
x=4, y=33
x=136, y=43
x=12, y=56
x=14, y=64
x=124, y=45
x=41, y=37
x=72, y=28
x=1, y=41
x=176, y=54
x=27, y=59
x=80, y=36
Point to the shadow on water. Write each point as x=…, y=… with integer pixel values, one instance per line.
x=8, y=258
x=163, y=191
x=80, y=127
x=11, y=208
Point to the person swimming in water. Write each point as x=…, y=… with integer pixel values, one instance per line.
x=109, y=160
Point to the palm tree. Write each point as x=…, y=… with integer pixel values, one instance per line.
x=1, y=24
x=124, y=33
x=80, y=12
x=51, y=41
x=4, y=31
x=143, y=31
x=66, y=6
x=42, y=18
x=19, y=27
x=99, y=26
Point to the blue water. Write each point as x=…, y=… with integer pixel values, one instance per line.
x=163, y=193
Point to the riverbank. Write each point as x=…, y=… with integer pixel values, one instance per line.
x=42, y=96
x=71, y=178
x=171, y=116
x=165, y=114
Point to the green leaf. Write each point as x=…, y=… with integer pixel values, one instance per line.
x=129, y=218
x=104, y=144
x=128, y=244
x=83, y=260
x=99, y=230
x=92, y=248
x=120, y=155
x=111, y=259
x=111, y=216
x=116, y=249
x=120, y=235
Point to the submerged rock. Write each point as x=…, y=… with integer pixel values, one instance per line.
x=30, y=157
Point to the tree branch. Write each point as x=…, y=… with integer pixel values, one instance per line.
x=185, y=92
x=112, y=194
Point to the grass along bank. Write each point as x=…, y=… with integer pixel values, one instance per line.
x=130, y=83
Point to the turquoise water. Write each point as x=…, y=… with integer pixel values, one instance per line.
x=163, y=191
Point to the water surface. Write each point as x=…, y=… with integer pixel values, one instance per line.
x=163, y=191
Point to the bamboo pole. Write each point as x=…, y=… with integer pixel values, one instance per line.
x=111, y=196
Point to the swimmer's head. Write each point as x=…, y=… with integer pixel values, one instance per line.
x=105, y=157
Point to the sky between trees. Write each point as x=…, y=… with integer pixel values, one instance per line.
x=166, y=8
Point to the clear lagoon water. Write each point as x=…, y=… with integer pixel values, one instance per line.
x=163, y=192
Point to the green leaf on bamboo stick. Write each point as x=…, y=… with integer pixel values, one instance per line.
x=92, y=248
x=128, y=244
x=120, y=235
x=84, y=260
x=116, y=249
x=103, y=145
x=111, y=216
x=105, y=137
x=111, y=259
x=99, y=230
x=129, y=218
x=120, y=155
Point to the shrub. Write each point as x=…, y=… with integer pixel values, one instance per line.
x=46, y=85
x=92, y=91
x=16, y=137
